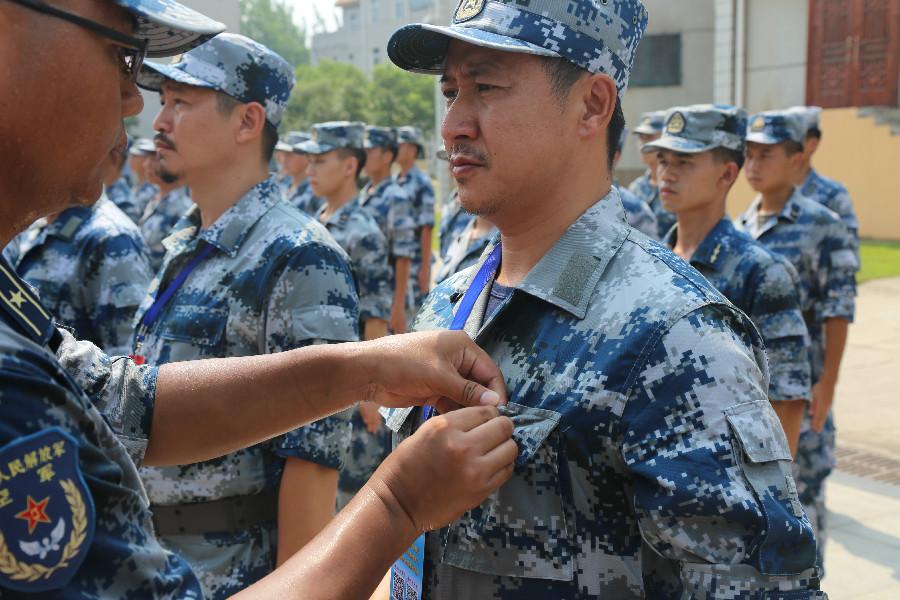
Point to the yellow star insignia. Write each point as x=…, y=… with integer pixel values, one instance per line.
x=18, y=299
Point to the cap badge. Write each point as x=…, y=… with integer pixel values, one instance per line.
x=177, y=58
x=759, y=124
x=676, y=123
x=467, y=9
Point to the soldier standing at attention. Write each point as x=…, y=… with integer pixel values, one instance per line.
x=821, y=249
x=172, y=199
x=336, y=160
x=245, y=273
x=418, y=186
x=646, y=187
x=700, y=155
x=392, y=209
x=72, y=508
x=651, y=463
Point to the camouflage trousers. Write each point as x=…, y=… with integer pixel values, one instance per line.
x=813, y=463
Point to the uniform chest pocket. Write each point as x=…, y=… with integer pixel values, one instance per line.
x=522, y=529
x=201, y=325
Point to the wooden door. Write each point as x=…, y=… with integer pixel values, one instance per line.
x=854, y=53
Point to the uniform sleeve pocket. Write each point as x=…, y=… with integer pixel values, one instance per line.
x=201, y=325
x=521, y=530
x=757, y=428
x=327, y=322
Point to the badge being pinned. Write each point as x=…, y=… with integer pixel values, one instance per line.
x=46, y=512
x=467, y=9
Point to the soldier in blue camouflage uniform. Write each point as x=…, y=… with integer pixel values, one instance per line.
x=337, y=157
x=467, y=248
x=410, y=146
x=91, y=267
x=646, y=187
x=824, y=190
x=453, y=217
x=637, y=212
x=263, y=278
x=819, y=246
x=118, y=191
x=163, y=211
x=142, y=191
x=699, y=158
x=73, y=514
x=294, y=165
x=651, y=464
x=392, y=209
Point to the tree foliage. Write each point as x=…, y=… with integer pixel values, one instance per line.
x=333, y=91
x=271, y=23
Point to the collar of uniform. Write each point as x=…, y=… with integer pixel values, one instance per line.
x=17, y=300
x=714, y=248
x=67, y=223
x=371, y=191
x=339, y=219
x=791, y=209
x=567, y=274
x=410, y=175
x=232, y=227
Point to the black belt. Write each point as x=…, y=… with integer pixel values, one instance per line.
x=218, y=516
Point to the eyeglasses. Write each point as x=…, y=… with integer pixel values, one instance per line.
x=132, y=50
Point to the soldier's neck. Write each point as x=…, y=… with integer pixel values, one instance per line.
x=216, y=193
x=693, y=227
x=338, y=200
x=773, y=201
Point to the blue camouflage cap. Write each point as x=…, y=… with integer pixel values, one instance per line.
x=333, y=135
x=810, y=114
x=410, y=134
x=701, y=127
x=289, y=140
x=380, y=136
x=776, y=126
x=600, y=36
x=142, y=147
x=169, y=27
x=651, y=123
x=233, y=64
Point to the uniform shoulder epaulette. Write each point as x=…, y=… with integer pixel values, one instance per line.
x=24, y=308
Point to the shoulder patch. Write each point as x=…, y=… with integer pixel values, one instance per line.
x=46, y=513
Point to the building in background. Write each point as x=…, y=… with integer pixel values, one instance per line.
x=225, y=11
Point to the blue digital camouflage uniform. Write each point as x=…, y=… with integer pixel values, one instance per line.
x=833, y=195
x=651, y=464
x=419, y=188
x=121, y=195
x=73, y=515
x=763, y=285
x=821, y=249
x=638, y=213
x=453, y=220
x=649, y=194
x=91, y=268
x=158, y=220
x=276, y=280
x=304, y=198
x=143, y=195
x=464, y=252
x=392, y=210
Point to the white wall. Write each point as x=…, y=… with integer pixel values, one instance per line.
x=777, y=38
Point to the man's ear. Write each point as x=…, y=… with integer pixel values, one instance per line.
x=599, y=102
x=729, y=175
x=251, y=120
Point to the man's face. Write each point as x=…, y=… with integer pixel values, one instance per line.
x=193, y=136
x=648, y=159
x=295, y=165
x=378, y=161
x=406, y=153
x=506, y=134
x=327, y=173
x=768, y=167
x=280, y=155
x=136, y=164
x=688, y=182
x=69, y=88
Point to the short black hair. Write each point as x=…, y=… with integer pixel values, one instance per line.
x=814, y=132
x=563, y=74
x=792, y=147
x=226, y=105
x=359, y=154
x=726, y=155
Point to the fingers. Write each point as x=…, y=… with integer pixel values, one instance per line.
x=478, y=380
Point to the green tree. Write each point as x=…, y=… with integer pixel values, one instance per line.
x=401, y=98
x=271, y=23
x=330, y=91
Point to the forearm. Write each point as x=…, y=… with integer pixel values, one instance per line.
x=401, y=279
x=306, y=500
x=374, y=329
x=426, y=246
x=836, y=330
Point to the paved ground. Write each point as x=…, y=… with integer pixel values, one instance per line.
x=862, y=561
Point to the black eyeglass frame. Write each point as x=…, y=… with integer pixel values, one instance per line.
x=136, y=45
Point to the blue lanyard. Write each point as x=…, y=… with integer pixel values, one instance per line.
x=482, y=279
x=160, y=302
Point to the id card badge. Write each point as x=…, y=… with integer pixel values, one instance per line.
x=406, y=574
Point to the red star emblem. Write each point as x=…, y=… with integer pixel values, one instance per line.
x=35, y=513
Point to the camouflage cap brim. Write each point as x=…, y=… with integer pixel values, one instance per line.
x=761, y=137
x=283, y=147
x=169, y=27
x=314, y=147
x=153, y=75
x=677, y=144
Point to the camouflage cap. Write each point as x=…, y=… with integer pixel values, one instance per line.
x=380, y=136
x=288, y=141
x=169, y=27
x=810, y=115
x=776, y=126
x=333, y=135
x=600, y=36
x=142, y=147
x=410, y=134
x=651, y=122
x=702, y=127
x=233, y=64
